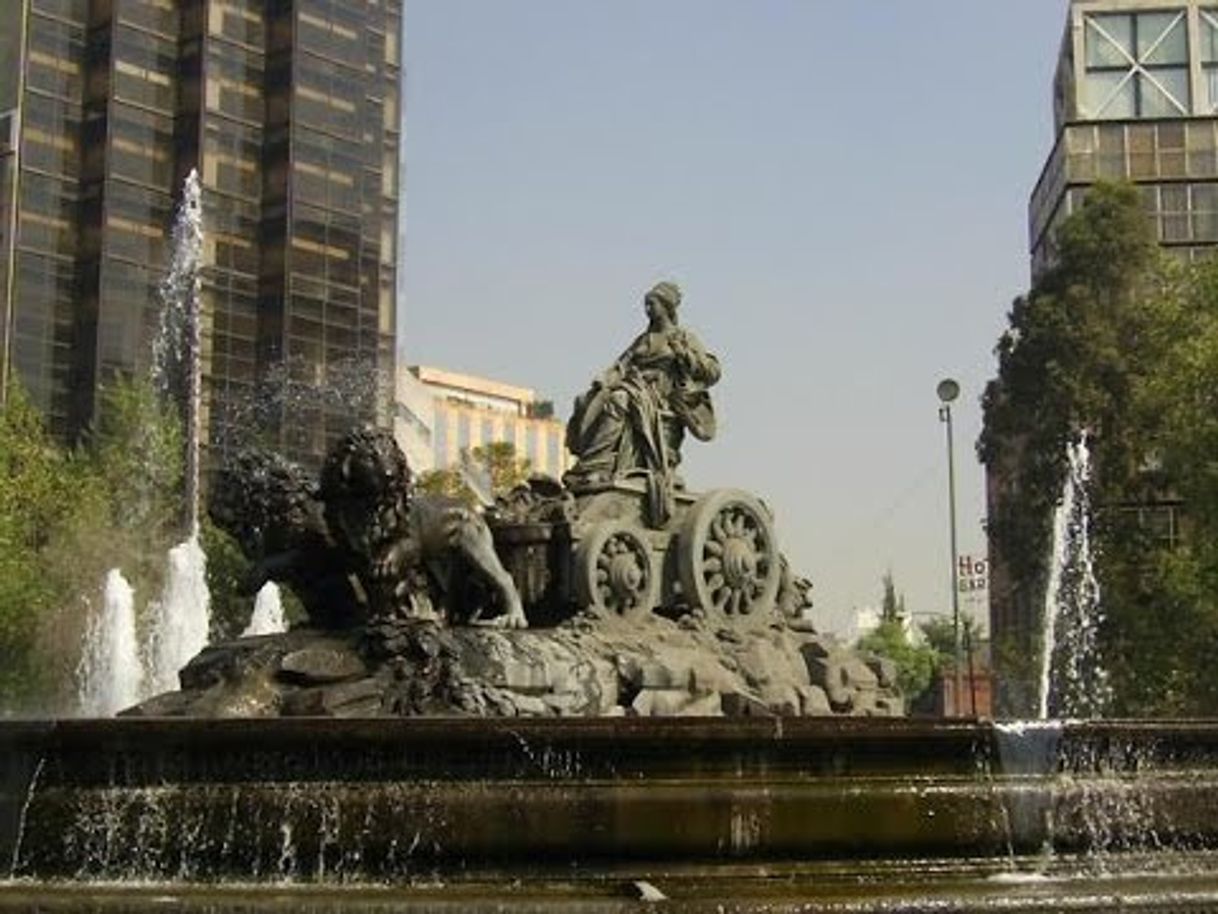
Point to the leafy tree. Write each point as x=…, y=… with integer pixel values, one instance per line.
x=915, y=662
x=1118, y=342
x=35, y=499
x=892, y=608
x=939, y=634
x=447, y=482
x=497, y=461
x=504, y=466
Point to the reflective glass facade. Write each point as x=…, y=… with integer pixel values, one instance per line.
x=290, y=111
x=1136, y=98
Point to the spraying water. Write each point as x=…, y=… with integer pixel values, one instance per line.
x=110, y=670
x=1073, y=681
x=181, y=617
x=177, y=366
x=267, y=618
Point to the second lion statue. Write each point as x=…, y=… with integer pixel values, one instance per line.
x=412, y=555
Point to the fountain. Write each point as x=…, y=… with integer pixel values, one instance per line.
x=600, y=692
x=267, y=618
x=110, y=673
x=179, y=617
x=1073, y=682
x=177, y=624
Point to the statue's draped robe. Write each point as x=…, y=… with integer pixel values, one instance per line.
x=633, y=418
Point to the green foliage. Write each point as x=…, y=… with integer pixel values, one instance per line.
x=68, y=515
x=228, y=573
x=497, y=460
x=939, y=634
x=892, y=608
x=1120, y=342
x=446, y=482
x=505, y=468
x=35, y=498
x=916, y=663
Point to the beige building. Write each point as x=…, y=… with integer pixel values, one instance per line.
x=1135, y=98
x=441, y=414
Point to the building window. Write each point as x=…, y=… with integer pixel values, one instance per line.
x=1137, y=65
x=1209, y=59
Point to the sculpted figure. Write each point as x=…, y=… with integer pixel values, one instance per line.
x=407, y=546
x=633, y=419
x=269, y=505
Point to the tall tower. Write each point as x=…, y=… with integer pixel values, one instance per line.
x=1135, y=98
x=289, y=109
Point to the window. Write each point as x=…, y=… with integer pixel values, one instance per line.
x=1209, y=59
x=1136, y=65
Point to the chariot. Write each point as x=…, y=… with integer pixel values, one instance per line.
x=599, y=548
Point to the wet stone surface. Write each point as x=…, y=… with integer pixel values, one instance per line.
x=590, y=666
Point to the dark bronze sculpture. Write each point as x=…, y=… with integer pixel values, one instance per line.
x=270, y=507
x=360, y=544
x=640, y=596
x=633, y=419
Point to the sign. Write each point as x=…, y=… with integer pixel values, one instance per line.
x=972, y=575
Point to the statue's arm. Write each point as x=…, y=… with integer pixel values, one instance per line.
x=698, y=364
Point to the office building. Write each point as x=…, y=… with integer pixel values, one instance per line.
x=289, y=110
x=440, y=415
x=1135, y=98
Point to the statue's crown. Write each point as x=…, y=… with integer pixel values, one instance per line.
x=667, y=292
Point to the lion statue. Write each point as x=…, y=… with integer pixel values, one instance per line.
x=269, y=506
x=411, y=551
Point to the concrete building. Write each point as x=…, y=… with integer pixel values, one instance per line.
x=289, y=109
x=441, y=414
x=1135, y=98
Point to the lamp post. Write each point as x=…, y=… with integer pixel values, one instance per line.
x=948, y=390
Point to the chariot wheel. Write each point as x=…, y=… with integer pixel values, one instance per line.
x=616, y=571
x=727, y=554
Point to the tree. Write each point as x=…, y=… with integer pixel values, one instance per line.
x=890, y=639
x=892, y=608
x=495, y=466
x=915, y=662
x=1118, y=342
x=939, y=634
x=36, y=495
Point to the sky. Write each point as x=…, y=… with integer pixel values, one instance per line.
x=840, y=189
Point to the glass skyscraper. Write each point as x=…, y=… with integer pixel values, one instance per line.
x=289, y=109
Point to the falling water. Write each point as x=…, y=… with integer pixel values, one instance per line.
x=177, y=349
x=181, y=616
x=267, y=618
x=1073, y=681
x=110, y=670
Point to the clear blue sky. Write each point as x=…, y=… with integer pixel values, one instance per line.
x=840, y=188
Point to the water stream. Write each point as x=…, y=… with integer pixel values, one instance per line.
x=110, y=672
x=1073, y=681
x=267, y=618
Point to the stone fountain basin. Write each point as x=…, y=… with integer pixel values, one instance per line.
x=775, y=803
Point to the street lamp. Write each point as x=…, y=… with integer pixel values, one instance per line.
x=948, y=390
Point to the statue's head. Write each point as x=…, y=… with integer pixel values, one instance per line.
x=365, y=485
x=263, y=500
x=665, y=295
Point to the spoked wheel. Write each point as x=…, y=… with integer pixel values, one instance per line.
x=727, y=555
x=616, y=571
